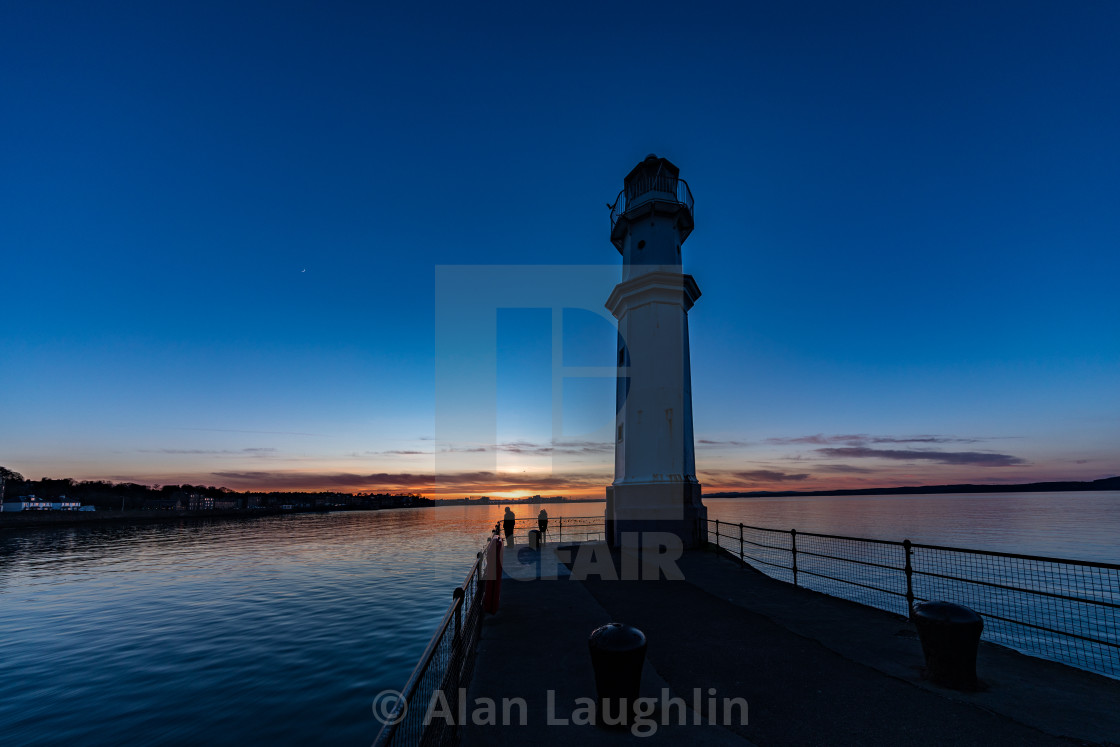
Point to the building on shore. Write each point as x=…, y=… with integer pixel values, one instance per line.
x=33, y=503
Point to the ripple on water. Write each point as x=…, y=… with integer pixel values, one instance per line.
x=279, y=629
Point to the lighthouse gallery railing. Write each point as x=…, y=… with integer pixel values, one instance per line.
x=636, y=193
x=1053, y=608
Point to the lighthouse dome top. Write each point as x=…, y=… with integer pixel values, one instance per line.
x=652, y=166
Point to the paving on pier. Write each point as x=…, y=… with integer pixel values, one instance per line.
x=814, y=669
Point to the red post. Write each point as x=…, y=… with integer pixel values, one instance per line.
x=492, y=586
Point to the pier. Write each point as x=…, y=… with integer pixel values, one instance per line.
x=734, y=655
x=814, y=669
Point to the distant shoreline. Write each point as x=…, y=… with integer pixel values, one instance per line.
x=1108, y=483
x=38, y=519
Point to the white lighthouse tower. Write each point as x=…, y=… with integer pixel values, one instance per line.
x=655, y=487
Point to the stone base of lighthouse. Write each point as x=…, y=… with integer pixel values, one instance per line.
x=667, y=507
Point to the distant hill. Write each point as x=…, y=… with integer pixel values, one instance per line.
x=1107, y=483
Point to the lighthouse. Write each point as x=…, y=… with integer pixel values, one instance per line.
x=655, y=487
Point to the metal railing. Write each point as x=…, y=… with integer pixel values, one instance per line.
x=446, y=665
x=448, y=660
x=1053, y=608
x=638, y=192
x=562, y=529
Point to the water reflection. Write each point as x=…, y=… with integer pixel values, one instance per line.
x=275, y=629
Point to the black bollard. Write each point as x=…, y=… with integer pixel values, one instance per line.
x=617, y=654
x=535, y=539
x=950, y=635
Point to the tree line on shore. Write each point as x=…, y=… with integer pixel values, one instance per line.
x=110, y=496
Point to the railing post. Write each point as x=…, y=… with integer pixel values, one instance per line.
x=909, y=580
x=454, y=674
x=478, y=576
x=561, y=531
x=717, y=535
x=741, y=558
x=793, y=550
x=457, y=595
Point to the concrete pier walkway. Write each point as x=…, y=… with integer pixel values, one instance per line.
x=813, y=669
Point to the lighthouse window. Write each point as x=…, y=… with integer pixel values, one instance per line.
x=620, y=432
x=621, y=357
x=642, y=244
x=678, y=250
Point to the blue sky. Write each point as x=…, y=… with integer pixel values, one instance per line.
x=221, y=223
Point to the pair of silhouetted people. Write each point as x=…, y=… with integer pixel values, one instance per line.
x=509, y=519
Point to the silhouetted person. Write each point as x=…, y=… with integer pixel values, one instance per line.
x=507, y=524
x=542, y=523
